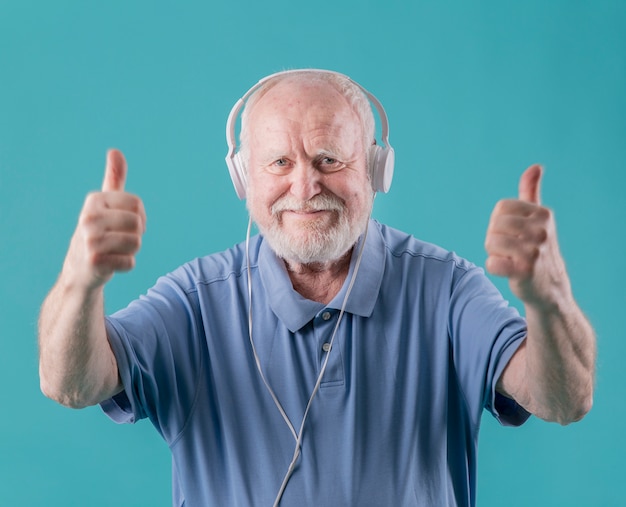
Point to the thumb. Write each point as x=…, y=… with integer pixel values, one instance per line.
x=530, y=184
x=115, y=172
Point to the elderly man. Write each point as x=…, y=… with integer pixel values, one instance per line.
x=330, y=360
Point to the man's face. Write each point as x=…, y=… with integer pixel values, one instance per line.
x=308, y=188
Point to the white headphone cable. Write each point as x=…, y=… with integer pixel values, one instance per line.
x=256, y=356
x=297, y=436
x=296, y=453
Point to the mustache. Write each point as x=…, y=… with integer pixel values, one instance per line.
x=322, y=202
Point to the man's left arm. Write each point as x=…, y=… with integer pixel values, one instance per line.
x=552, y=374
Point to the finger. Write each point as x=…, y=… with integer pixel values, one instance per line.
x=529, y=184
x=113, y=221
x=111, y=252
x=116, y=244
x=115, y=172
x=97, y=202
x=499, y=265
x=514, y=267
x=516, y=247
x=513, y=207
x=524, y=229
x=128, y=202
x=513, y=225
x=109, y=263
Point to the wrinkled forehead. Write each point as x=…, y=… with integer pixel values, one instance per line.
x=300, y=95
x=306, y=105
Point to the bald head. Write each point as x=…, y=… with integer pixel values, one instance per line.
x=310, y=83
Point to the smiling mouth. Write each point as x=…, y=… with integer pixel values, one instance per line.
x=306, y=211
x=304, y=214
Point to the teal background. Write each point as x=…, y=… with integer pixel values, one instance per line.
x=475, y=92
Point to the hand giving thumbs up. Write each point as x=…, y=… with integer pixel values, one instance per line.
x=522, y=244
x=109, y=230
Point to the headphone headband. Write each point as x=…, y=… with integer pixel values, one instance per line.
x=381, y=157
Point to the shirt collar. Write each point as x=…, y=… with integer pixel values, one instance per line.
x=295, y=311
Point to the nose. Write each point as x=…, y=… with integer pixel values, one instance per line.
x=305, y=181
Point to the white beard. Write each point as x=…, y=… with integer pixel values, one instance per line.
x=319, y=241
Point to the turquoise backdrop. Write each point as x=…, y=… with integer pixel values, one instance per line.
x=475, y=91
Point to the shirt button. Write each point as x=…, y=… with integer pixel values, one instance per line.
x=326, y=315
x=326, y=347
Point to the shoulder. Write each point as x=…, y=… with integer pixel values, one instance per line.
x=205, y=284
x=401, y=246
x=216, y=268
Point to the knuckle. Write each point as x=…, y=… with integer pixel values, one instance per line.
x=534, y=235
x=500, y=207
x=135, y=202
x=127, y=244
x=125, y=263
x=138, y=223
x=93, y=242
x=134, y=243
x=489, y=241
x=542, y=235
x=96, y=261
x=89, y=218
x=92, y=198
x=94, y=201
x=535, y=252
x=544, y=214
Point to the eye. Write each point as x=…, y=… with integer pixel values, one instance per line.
x=329, y=164
x=281, y=162
x=280, y=165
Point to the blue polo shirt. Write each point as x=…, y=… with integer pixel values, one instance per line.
x=417, y=355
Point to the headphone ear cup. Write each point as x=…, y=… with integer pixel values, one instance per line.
x=237, y=171
x=381, y=162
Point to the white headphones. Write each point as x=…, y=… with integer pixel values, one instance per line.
x=381, y=158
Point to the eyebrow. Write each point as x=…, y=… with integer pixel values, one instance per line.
x=332, y=153
x=335, y=150
x=269, y=157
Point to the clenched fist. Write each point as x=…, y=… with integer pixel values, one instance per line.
x=522, y=245
x=109, y=230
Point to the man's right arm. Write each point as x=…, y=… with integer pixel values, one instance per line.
x=77, y=367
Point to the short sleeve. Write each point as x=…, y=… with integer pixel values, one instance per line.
x=485, y=333
x=156, y=344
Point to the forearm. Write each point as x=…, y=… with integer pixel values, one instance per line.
x=76, y=365
x=552, y=373
x=560, y=361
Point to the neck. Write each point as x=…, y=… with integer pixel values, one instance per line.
x=319, y=281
